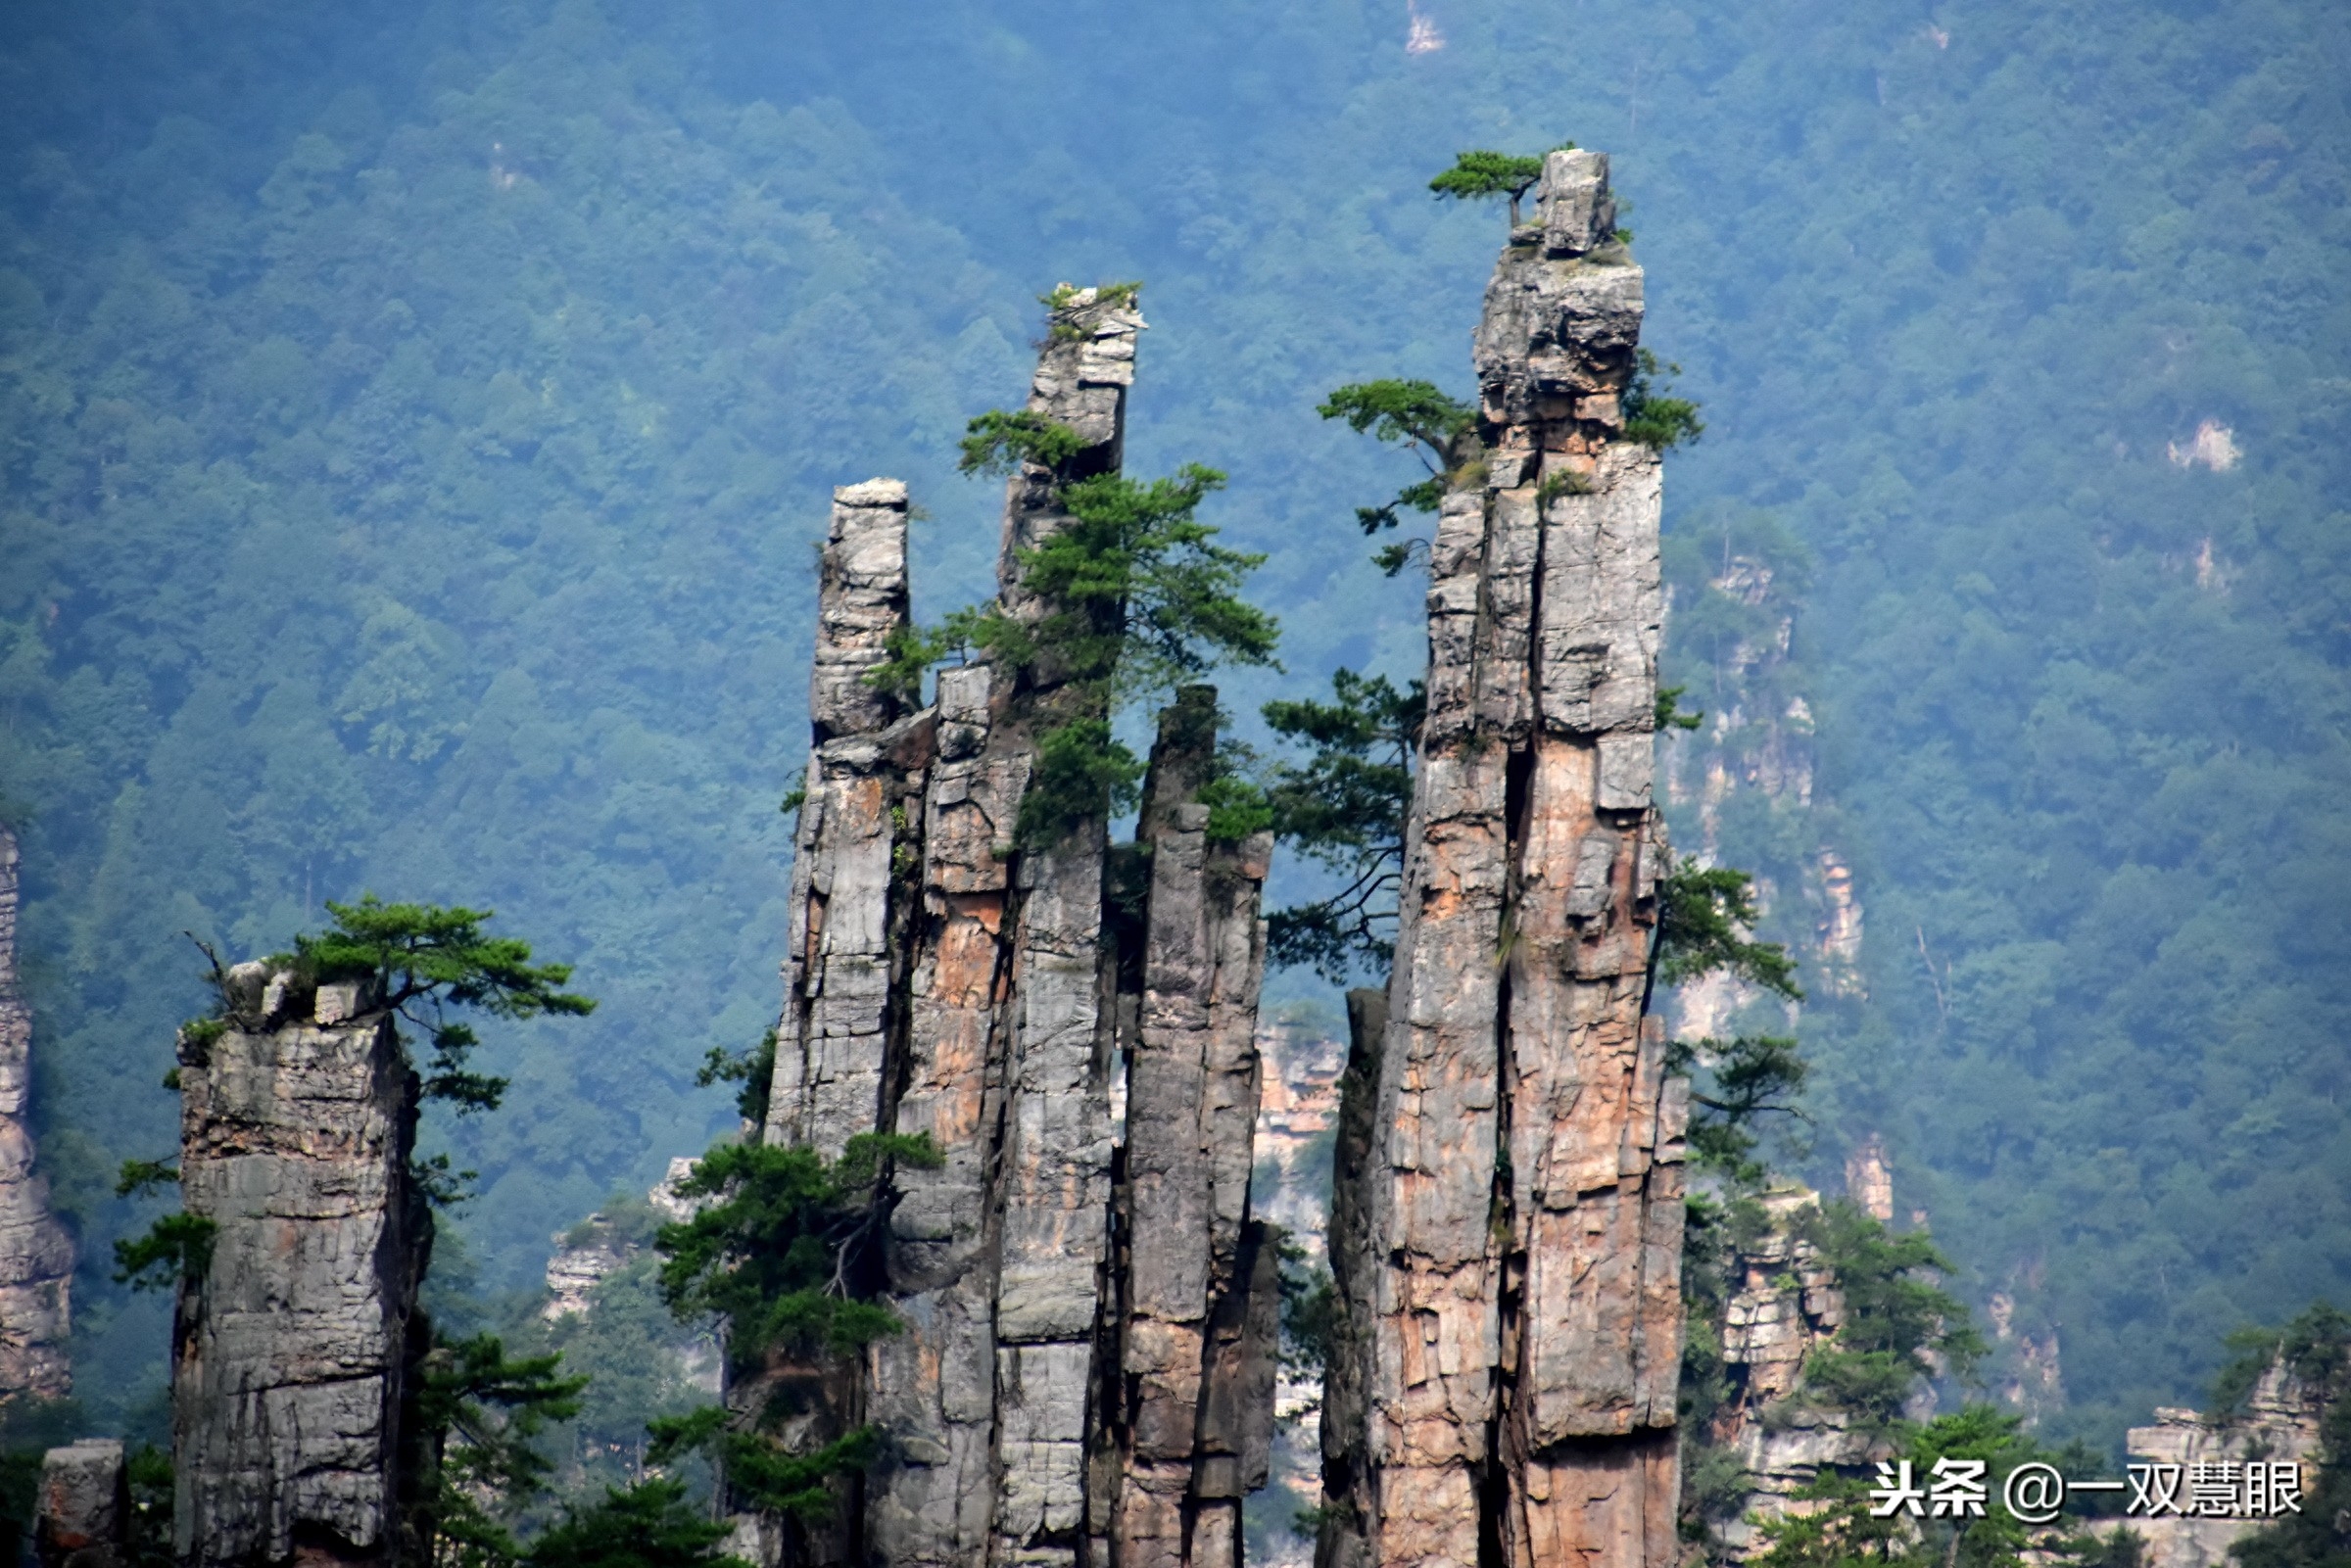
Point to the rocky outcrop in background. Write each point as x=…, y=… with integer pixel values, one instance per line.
x=294, y=1344
x=1086, y=1371
x=1508, y=1225
x=36, y=1255
x=1784, y=1305
x=2278, y=1425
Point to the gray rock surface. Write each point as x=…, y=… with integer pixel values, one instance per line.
x=84, y=1511
x=292, y=1350
x=1194, y=1421
x=2278, y=1426
x=943, y=979
x=1507, y=1231
x=1783, y=1304
x=37, y=1254
x=839, y=965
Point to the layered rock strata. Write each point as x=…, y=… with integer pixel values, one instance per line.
x=293, y=1348
x=1783, y=1304
x=1057, y=1396
x=2279, y=1425
x=1514, y=1190
x=36, y=1255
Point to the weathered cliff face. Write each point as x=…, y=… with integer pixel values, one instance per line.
x=1057, y=1396
x=291, y=1353
x=839, y=968
x=1515, y=1189
x=2279, y=1425
x=36, y=1255
x=1734, y=601
x=1783, y=1304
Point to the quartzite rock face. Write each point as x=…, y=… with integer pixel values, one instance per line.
x=1517, y=1305
x=292, y=1351
x=838, y=966
x=2279, y=1426
x=36, y=1255
x=84, y=1506
x=943, y=979
x=1195, y=1391
x=1783, y=1304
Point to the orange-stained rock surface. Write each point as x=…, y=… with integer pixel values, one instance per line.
x=1507, y=1232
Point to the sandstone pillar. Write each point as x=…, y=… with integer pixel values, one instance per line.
x=1518, y=1185
x=36, y=1255
x=841, y=959
x=1057, y=1397
x=292, y=1350
x=1193, y=1410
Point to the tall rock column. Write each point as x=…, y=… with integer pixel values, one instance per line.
x=946, y=981
x=1056, y=1396
x=865, y=772
x=36, y=1255
x=1518, y=1316
x=293, y=1348
x=1194, y=1410
x=1054, y=1179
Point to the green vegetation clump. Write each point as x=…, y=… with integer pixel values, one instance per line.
x=1704, y=914
x=787, y=1252
x=1344, y=806
x=1237, y=808
x=784, y=1250
x=1482, y=174
x=652, y=1524
x=1652, y=418
x=1434, y=426
x=1561, y=482
x=430, y=959
x=999, y=441
x=1138, y=597
x=753, y=1069
x=1900, y=1326
x=479, y=1415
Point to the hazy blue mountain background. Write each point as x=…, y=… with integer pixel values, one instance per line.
x=417, y=420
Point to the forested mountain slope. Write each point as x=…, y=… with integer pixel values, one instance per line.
x=418, y=423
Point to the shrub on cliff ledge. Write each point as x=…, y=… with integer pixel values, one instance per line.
x=1652, y=418
x=1138, y=597
x=427, y=957
x=1420, y=417
x=1479, y=174
x=785, y=1251
x=1345, y=806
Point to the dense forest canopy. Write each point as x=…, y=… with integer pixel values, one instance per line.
x=417, y=421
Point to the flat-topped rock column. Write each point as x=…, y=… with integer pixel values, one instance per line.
x=293, y=1348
